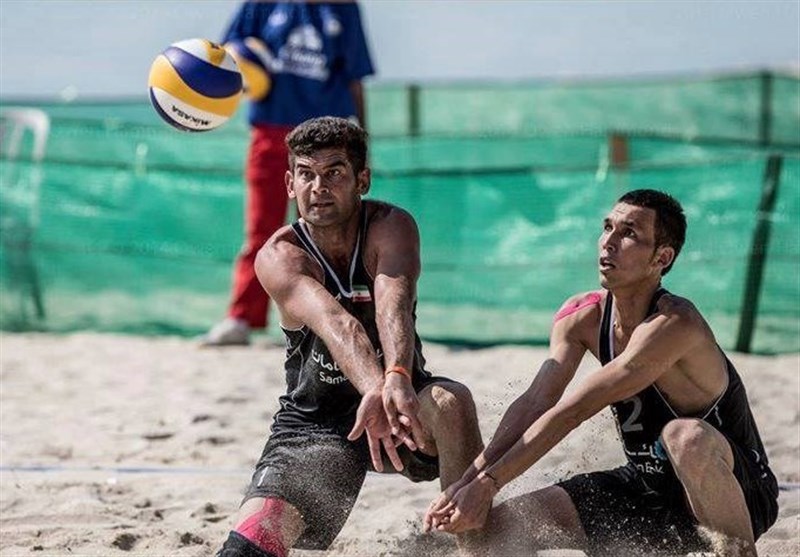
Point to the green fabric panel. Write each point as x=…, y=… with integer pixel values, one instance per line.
x=778, y=319
x=726, y=107
x=786, y=110
x=131, y=226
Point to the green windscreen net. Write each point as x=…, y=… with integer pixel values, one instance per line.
x=127, y=225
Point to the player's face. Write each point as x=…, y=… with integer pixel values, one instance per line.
x=626, y=247
x=326, y=188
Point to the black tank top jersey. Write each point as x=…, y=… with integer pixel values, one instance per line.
x=641, y=417
x=317, y=392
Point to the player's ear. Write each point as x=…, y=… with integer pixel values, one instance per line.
x=665, y=255
x=289, y=180
x=364, y=181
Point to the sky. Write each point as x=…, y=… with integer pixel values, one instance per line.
x=104, y=48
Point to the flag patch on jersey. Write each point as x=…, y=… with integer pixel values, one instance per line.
x=361, y=293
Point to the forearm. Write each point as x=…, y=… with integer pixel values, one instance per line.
x=518, y=418
x=395, y=324
x=351, y=349
x=541, y=396
x=536, y=441
x=615, y=381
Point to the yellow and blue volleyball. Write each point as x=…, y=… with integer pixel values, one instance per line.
x=250, y=54
x=195, y=85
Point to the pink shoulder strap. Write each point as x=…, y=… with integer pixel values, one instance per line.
x=571, y=307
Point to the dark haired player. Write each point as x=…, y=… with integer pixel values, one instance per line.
x=344, y=279
x=694, y=455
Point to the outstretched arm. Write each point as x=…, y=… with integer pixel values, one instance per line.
x=393, y=245
x=566, y=351
x=654, y=347
x=293, y=280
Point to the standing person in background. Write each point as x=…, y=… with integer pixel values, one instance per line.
x=315, y=55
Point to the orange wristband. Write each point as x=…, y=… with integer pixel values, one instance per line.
x=398, y=369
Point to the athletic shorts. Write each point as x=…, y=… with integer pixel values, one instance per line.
x=320, y=473
x=621, y=515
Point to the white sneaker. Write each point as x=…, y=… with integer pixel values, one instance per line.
x=228, y=332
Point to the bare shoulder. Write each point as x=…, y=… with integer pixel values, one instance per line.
x=584, y=306
x=682, y=323
x=282, y=259
x=281, y=246
x=392, y=242
x=389, y=226
x=578, y=318
x=386, y=215
x=680, y=309
x=670, y=302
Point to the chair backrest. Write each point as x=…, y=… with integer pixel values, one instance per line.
x=20, y=183
x=14, y=122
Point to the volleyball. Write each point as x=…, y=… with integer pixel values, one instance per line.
x=195, y=85
x=251, y=55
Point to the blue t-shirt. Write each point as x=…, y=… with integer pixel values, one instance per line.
x=315, y=50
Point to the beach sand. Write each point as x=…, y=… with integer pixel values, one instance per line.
x=124, y=445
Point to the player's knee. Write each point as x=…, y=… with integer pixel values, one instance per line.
x=453, y=401
x=691, y=445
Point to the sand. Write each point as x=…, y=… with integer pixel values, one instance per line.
x=123, y=445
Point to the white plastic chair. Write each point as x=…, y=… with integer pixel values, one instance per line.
x=13, y=124
x=19, y=217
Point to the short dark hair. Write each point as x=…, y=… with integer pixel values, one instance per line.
x=329, y=132
x=670, y=219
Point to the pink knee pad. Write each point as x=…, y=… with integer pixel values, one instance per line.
x=263, y=527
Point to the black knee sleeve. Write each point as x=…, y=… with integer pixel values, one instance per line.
x=238, y=546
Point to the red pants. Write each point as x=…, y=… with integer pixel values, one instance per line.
x=265, y=212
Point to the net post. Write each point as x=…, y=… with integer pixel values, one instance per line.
x=765, y=118
x=413, y=110
x=758, y=253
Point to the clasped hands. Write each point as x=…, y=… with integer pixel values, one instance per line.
x=463, y=506
x=388, y=414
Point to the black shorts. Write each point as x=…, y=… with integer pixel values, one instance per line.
x=320, y=473
x=760, y=488
x=621, y=515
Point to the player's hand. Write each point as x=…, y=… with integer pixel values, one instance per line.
x=371, y=418
x=441, y=507
x=468, y=508
x=402, y=410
